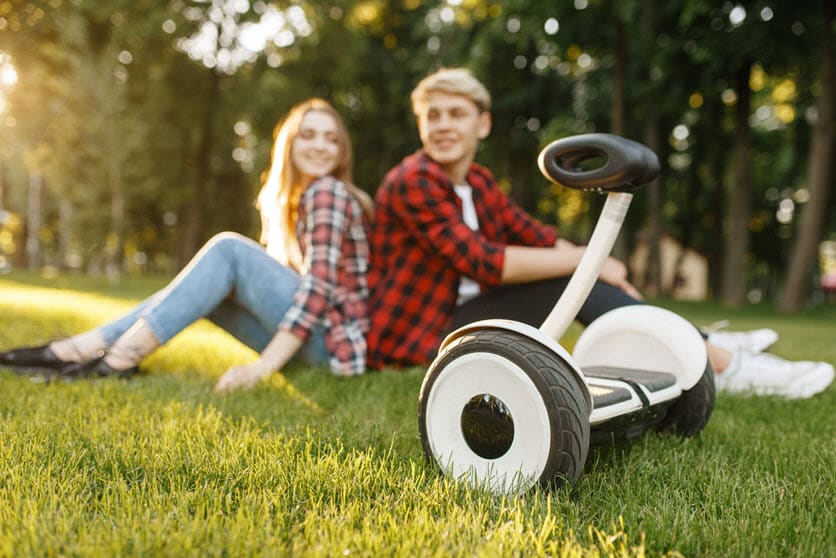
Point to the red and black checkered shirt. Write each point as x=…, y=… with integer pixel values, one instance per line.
x=420, y=247
x=333, y=288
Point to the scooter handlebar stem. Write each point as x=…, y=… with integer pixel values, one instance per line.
x=584, y=277
x=601, y=163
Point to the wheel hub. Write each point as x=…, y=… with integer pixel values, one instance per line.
x=487, y=426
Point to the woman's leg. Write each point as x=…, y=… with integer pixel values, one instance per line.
x=241, y=324
x=229, y=270
x=229, y=266
x=248, y=329
x=112, y=331
x=88, y=344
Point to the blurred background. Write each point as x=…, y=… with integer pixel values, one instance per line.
x=133, y=130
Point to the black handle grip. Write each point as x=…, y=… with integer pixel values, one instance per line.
x=626, y=163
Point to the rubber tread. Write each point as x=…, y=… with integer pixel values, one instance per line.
x=690, y=413
x=562, y=391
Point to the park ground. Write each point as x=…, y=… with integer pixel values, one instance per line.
x=315, y=465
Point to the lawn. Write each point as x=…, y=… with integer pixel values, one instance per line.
x=315, y=465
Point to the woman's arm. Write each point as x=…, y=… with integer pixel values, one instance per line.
x=325, y=213
x=277, y=353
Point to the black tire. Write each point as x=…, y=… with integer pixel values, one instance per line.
x=690, y=413
x=559, y=395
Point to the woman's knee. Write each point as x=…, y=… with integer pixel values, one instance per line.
x=226, y=241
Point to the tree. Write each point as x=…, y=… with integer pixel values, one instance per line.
x=819, y=176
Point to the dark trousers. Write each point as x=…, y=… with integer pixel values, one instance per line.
x=530, y=303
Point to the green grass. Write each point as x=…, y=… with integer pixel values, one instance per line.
x=316, y=465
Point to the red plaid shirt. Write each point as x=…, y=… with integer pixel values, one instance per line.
x=333, y=289
x=420, y=248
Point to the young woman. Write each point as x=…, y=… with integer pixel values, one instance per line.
x=305, y=293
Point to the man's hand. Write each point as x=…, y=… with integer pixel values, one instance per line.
x=243, y=377
x=614, y=272
x=563, y=243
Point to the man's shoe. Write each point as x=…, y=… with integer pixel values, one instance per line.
x=754, y=341
x=766, y=374
x=40, y=357
x=95, y=368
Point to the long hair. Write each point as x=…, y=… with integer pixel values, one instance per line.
x=283, y=185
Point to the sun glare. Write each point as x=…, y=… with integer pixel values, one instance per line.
x=240, y=42
x=8, y=74
x=8, y=78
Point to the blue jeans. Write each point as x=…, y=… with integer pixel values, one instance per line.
x=235, y=284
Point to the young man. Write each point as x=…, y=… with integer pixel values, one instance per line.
x=448, y=248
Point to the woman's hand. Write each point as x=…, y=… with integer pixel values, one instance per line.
x=243, y=377
x=614, y=272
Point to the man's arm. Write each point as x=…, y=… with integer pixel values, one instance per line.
x=524, y=264
x=423, y=207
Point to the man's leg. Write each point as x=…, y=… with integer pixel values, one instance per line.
x=530, y=303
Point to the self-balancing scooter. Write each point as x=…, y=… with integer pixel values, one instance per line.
x=505, y=406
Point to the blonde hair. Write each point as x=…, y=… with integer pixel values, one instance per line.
x=283, y=185
x=456, y=81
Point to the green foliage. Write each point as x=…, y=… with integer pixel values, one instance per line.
x=109, y=99
x=312, y=464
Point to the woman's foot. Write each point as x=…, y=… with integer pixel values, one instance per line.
x=39, y=357
x=56, y=355
x=122, y=357
x=96, y=368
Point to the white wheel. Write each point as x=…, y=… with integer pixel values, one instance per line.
x=500, y=410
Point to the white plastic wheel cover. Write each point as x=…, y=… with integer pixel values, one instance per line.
x=487, y=373
x=644, y=337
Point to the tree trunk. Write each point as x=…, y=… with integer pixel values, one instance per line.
x=653, y=274
x=736, y=242
x=2, y=185
x=711, y=185
x=652, y=138
x=33, y=222
x=819, y=176
x=116, y=242
x=194, y=211
x=65, y=227
x=618, y=119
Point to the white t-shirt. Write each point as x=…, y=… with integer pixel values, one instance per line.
x=468, y=288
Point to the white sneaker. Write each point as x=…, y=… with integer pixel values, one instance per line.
x=754, y=341
x=766, y=374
